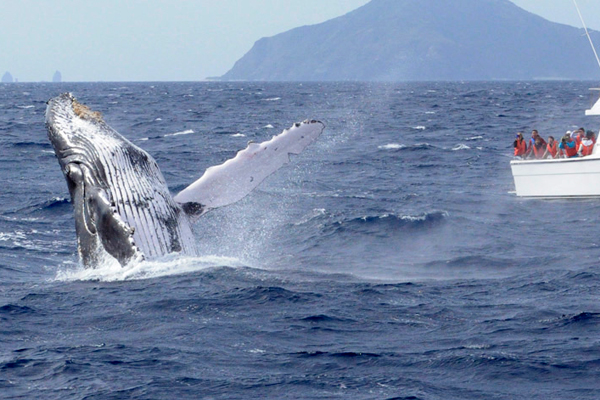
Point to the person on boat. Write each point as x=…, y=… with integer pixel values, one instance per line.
x=580, y=136
x=568, y=146
x=551, y=148
x=535, y=135
x=539, y=148
x=587, y=145
x=520, y=145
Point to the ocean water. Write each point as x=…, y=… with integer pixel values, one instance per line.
x=390, y=260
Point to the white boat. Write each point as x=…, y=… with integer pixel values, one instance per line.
x=559, y=177
x=562, y=177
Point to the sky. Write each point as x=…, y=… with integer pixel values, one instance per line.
x=172, y=40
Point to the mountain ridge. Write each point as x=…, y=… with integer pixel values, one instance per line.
x=408, y=40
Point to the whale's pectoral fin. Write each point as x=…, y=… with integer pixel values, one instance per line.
x=114, y=234
x=231, y=181
x=87, y=238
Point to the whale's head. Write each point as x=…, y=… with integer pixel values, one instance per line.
x=75, y=131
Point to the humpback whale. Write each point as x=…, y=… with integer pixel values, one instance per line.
x=121, y=203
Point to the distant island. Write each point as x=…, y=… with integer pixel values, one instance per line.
x=7, y=78
x=422, y=40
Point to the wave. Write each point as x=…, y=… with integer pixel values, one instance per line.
x=412, y=147
x=585, y=317
x=268, y=294
x=344, y=354
x=461, y=147
x=172, y=264
x=186, y=132
x=384, y=224
x=12, y=309
x=56, y=204
x=423, y=146
x=30, y=144
x=392, y=146
x=472, y=261
x=323, y=318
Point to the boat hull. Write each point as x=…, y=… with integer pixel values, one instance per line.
x=569, y=177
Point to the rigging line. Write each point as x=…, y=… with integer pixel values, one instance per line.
x=586, y=32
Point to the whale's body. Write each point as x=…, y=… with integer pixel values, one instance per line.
x=122, y=206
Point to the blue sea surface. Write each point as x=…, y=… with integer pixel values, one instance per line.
x=390, y=260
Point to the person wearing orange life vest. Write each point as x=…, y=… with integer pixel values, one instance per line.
x=530, y=149
x=520, y=145
x=551, y=148
x=538, y=149
x=580, y=136
x=568, y=146
x=587, y=145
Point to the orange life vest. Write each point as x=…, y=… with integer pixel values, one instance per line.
x=538, y=152
x=571, y=151
x=520, y=147
x=552, y=149
x=586, y=150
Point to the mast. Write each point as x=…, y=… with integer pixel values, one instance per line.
x=595, y=110
x=587, y=32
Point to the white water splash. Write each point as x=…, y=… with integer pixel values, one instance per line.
x=172, y=264
x=460, y=147
x=392, y=146
x=186, y=132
